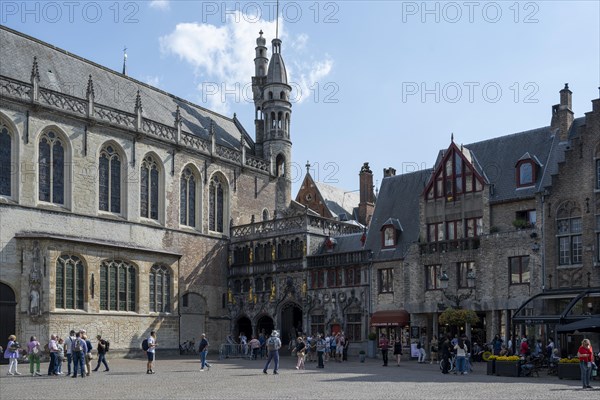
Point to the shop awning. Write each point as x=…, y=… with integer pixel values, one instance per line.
x=390, y=318
x=584, y=325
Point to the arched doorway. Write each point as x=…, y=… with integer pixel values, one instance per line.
x=265, y=324
x=8, y=311
x=243, y=325
x=291, y=322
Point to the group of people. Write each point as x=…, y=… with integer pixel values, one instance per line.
x=385, y=345
x=76, y=349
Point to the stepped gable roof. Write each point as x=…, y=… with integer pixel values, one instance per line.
x=67, y=73
x=398, y=199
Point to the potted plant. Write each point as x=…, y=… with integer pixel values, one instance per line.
x=491, y=365
x=568, y=368
x=372, y=349
x=521, y=224
x=508, y=365
x=362, y=356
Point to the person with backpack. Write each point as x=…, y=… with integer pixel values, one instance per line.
x=149, y=345
x=273, y=346
x=103, y=347
x=34, y=351
x=79, y=349
x=203, y=349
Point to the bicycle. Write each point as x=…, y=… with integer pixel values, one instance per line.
x=188, y=347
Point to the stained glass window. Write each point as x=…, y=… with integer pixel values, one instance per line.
x=5, y=161
x=109, y=173
x=51, y=168
x=117, y=286
x=149, y=186
x=70, y=282
x=187, y=209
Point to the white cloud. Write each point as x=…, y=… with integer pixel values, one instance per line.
x=153, y=81
x=310, y=81
x=160, y=4
x=222, y=57
x=299, y=43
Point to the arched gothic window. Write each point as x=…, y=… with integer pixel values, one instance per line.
x=265, y=215
x=187, y=207
x=70, y=282
x=118, y=286
x=5, y=161
x=51, y=168
x=280, y=165
x=149, y=186
x=216, y=205
x=160, y=289
x=109, y=177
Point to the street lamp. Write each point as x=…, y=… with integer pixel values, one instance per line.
x=456, y=299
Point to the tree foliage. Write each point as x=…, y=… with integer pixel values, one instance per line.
x=459, y=317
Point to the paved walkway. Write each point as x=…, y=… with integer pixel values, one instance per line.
x=243, y=380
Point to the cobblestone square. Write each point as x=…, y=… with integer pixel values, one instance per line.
x=181, y=378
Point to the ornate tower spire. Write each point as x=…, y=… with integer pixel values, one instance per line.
x=124, y=60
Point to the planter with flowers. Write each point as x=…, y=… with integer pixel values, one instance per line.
x=568, y=368
x=491, y=365
x=508, y=365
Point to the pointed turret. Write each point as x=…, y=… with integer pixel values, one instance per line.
x=273, y=114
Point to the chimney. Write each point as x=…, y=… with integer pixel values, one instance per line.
x=389, y=172
x=562, y=115
x=367, y=197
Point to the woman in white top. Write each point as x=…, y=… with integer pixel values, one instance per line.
x=461, y=354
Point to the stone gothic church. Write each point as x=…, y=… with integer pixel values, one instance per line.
x=119, y=202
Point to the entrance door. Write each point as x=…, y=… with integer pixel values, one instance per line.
x=265, y=325
x=244, y=326
x=8, y=313
x=291, y=322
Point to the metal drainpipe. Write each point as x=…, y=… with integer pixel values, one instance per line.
x=179, y=299
x=543, y=247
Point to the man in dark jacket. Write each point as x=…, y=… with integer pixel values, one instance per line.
x=102, y=347
x=445, y=349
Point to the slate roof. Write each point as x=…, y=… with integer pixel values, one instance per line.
x=339, y=201
x=344, y=244
x=496, y=159
x=398, y=199
x=67, y=73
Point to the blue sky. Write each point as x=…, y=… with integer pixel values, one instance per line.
x=380, y=81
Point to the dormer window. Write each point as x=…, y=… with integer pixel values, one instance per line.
x=525, y=173
x=389, y=233
x=389, y=236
